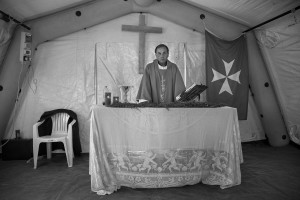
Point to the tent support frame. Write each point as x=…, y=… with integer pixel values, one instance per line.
x=272, y=19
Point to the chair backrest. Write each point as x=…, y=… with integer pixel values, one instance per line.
x=60, y=123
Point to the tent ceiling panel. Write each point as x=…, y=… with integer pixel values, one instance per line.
x=24, y=10
x=247, y=12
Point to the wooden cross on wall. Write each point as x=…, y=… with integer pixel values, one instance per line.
x=142, y=29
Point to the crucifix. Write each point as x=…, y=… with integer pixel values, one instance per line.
x=142, y=29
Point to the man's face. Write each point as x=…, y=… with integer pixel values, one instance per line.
x=162, y=55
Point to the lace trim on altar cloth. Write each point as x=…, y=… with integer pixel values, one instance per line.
x=172, y=168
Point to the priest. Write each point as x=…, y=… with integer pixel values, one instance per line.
x=161, y=81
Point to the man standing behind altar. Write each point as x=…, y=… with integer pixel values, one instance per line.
x=161, y=81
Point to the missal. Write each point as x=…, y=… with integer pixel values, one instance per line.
x=191, y=93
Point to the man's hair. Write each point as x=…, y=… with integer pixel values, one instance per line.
x=160, y=46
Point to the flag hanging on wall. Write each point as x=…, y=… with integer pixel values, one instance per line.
x=227, y=72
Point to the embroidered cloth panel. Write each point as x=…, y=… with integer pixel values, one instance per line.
x=159, y=147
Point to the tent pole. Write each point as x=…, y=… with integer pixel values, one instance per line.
x=274, y=18
x=6, y=17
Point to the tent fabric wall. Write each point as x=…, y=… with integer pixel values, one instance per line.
x=6, y=31
x=62, y=72
x=96, y=12
x=66, y=22
x=264, y=96
x=45, y=29
x=280, y=46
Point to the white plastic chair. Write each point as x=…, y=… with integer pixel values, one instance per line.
x=61, y=132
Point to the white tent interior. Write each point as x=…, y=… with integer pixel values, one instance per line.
x=67, y=36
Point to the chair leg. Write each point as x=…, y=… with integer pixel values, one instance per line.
x=70, y=150
x=36, y=146
x=71, y=147
x=70, y=164
x=49, y=150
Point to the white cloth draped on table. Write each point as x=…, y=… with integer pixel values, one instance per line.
x=159, y=147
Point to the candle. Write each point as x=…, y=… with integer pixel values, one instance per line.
x=115, y=99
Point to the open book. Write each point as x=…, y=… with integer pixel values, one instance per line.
x=191, y=93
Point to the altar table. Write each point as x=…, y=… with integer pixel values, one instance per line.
x=160, y=147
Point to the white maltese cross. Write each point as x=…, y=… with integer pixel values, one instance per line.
x=218, y=76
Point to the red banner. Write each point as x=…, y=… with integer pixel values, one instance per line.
x=227, y=75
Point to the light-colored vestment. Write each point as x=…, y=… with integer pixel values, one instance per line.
x=161, y=85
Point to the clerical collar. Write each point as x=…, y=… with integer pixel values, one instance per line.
x=162, y=67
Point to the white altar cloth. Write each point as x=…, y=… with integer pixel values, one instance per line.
x=159, y=147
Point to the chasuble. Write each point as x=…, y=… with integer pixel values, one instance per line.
x=160, y=85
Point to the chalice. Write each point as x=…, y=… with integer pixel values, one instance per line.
x=125, y=93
